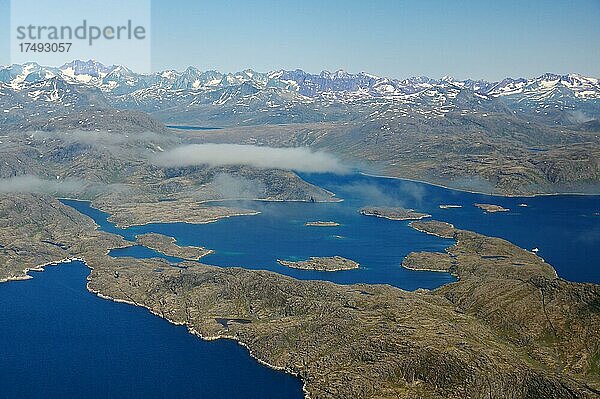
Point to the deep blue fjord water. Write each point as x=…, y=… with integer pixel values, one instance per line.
x=565, y=229
x=57, y=340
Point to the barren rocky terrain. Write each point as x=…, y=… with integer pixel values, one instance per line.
x=508, y=328
x=492, y=154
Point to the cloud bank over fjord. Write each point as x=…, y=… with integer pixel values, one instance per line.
x=299, y=159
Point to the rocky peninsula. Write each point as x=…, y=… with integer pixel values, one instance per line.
x=167, y=245
x=430, y=261
x=129, y=214
x=434, y=227
x=325, y=264
x=393, y=213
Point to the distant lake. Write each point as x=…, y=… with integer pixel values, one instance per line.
x=183, y=127
x=57, y=340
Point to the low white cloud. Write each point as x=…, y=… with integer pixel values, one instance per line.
x=33, y=184
x=300, y=159
x=238, y=187
x=36, y=185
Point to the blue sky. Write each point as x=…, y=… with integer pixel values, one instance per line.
x=476, y=39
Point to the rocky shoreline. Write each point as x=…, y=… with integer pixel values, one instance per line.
x=197, y=333
x=428, y=261
x=320, y=223
x=325, y=264
x=167, y=246
x=491, y=208
x=393, y=213
x=127, y=215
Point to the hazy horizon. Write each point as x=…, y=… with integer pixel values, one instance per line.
x=396, y=39
x=331, y=71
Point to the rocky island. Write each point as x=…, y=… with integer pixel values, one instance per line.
x=319, y=223
x=491, y=208
x=449, y=206
x=325, y=264
x=395, y=213
x=167, y=245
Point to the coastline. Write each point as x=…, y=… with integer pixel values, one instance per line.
x=445, y=251
x=456, y=242
x=126, y=226
x=195, y=332
x=320, y=223
x=478, y=192
x=318, y=261
x=425, y=216
x=333, y=201
x=432, y=234
x=38, y=268
x=181, y=319
x=41, y=268
x=427, y=270
x=173, y=240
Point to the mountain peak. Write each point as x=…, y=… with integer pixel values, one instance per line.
x=90, y=68
x=549, y=77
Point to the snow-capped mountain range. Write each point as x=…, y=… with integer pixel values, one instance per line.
x=117, y=78
x=90, y=82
